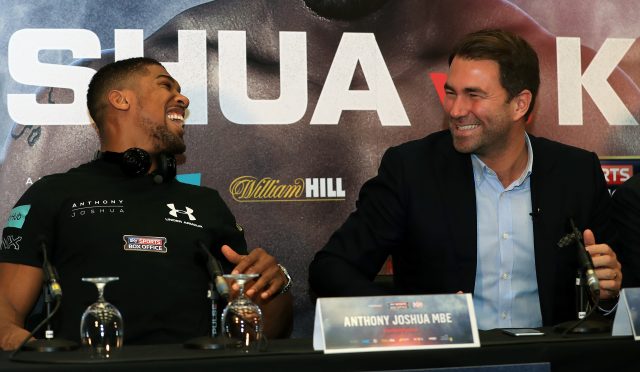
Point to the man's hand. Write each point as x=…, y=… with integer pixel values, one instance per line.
x=605, y=262
x=12, y=337
x=258, y=261
x=277, y=309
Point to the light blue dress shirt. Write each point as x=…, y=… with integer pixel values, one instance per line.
x=506, y=288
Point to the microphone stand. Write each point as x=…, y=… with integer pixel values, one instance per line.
x=585, y=323
x=51, y=292
x=49, y=343
x=214, y=340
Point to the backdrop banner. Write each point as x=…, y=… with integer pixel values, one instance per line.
x=293, y=102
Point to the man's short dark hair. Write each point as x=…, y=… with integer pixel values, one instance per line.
x=518, y=62
x=112, y=76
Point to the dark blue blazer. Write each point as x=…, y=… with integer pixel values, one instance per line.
x=421, y=210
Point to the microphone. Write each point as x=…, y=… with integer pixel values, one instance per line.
x=586, y=263
x=584, y=258
x=213, y=340
x=215, y=271
x=536, y=212
x=50, y=274
x=586, y=270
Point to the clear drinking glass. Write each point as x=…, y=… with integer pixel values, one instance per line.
x=242, y=319
x=101, y=327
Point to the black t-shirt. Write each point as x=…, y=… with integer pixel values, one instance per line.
x=98, y=222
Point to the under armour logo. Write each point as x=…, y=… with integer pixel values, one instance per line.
x=174, y=212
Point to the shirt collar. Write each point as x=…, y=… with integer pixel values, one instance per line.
x=481, y=171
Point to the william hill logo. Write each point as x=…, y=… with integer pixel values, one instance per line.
x=251, y=189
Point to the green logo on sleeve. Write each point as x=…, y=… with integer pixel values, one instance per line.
x=17, y=216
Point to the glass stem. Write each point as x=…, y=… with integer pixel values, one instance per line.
x=100, y=287
x=241, y=284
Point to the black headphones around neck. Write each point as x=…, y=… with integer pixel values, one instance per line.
x=137, y=162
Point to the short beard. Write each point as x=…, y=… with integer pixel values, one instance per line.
x=165, y=140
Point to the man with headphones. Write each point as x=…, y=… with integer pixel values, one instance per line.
x=123, y=214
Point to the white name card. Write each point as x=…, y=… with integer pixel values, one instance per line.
x=383, y=323
x=627, y=320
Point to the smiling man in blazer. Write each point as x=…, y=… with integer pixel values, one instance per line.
x=479, y=208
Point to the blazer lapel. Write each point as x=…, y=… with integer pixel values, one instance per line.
x=545, y=201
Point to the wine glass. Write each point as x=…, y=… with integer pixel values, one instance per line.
x=242, y=319
x=101, y=328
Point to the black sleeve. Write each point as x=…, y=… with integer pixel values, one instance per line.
x=354, y=254
x=626, y=216
x=30, y=222
x=229, y=232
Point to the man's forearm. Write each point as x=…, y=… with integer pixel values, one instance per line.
x=19, y=289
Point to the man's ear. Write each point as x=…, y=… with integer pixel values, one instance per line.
x=521, y=104
x=118, y=99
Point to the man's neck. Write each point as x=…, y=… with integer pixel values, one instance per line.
x=509, y=163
